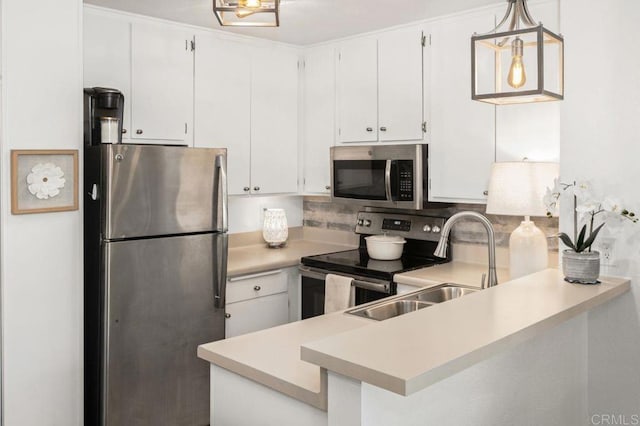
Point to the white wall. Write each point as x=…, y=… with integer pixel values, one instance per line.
x=41, y=253
x=601, y=142
x=246, y=213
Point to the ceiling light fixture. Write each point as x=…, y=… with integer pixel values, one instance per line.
x=247, y=13
x=517, y=40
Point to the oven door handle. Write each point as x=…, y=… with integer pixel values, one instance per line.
x=387, y=180
x=379, y=288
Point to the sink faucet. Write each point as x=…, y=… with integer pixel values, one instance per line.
x=441, y=250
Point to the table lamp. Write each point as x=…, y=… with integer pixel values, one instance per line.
x=517, y=189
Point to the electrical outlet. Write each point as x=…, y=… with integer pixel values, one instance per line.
x=606, y=247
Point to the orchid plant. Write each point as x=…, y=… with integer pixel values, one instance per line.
x=585, y=205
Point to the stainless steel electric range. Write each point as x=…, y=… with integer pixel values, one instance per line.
x=372, y=279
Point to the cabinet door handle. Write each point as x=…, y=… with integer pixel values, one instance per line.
x=246, y=189
x=383, y=129
x=485, y=193
x=124, y=131
x=227, y=316
x=139, y=132
x=327, y=187
x=257, y=288
x=369, y=129
x=256, y=188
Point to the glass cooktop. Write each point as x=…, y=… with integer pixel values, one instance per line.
x=358, y=262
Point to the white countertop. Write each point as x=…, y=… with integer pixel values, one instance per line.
x=272, y=357
x=453, y=272
x=258, y=257
x=409, y=352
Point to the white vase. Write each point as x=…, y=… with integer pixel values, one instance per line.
x=581, y=268
x=275, y=230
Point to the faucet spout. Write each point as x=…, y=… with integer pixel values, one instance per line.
x=441, y=249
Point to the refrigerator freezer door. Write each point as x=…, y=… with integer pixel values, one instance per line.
x=160, y=296
x=161, y=190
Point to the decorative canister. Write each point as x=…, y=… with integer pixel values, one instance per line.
x=275, y=230
x=581, y=268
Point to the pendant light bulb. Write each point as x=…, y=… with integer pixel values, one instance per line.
x=517, y=76
x=251, y=3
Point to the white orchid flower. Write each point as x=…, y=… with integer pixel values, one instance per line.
x=582, y=190
x=550, y=201
x=589, y=207
x=552, y=196
x=612, y=205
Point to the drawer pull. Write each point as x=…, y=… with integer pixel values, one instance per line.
x=257, y=288
x=227, y=316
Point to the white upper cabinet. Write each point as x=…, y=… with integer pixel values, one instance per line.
x=462, y=131
x=107, y=59
x=380, y=87
x=400, y=85
x=246, y=99
x=162, y=83
x=223, y=105
x=274, y=120
x=358, y=91
x=319, y=117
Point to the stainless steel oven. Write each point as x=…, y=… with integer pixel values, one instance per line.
x=372, y=279
x=363, y=290
x=380, y=175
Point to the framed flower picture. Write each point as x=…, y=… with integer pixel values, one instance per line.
x=44, y=181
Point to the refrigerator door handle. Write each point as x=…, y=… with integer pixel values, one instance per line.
x=221, y=167
x=220, y=277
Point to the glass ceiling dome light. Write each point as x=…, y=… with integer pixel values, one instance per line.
x=518, y=61
x=247, y=13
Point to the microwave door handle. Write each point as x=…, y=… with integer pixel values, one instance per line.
x=387, y=180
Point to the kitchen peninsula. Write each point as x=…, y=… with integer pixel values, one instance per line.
x=497, y=356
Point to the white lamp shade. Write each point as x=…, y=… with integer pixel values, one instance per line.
x=517, y=188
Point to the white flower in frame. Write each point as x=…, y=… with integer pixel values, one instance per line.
x=45, y=180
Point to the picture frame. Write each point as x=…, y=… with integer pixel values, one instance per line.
x=44, y=181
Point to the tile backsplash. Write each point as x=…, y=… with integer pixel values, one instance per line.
x=320, y=212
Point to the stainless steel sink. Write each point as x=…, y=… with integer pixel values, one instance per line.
x=392, y=308
x=442, y=294
x=411, y=302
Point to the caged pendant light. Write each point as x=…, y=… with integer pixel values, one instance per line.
x=247, y=13
x=518, y=61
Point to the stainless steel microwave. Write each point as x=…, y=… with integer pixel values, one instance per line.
x=380, y=175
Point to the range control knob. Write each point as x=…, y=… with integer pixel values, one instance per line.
x=360, y=222
x=435, y=229
x=426, y=228
x=367, y=222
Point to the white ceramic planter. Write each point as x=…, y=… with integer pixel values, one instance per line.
x=581, y=268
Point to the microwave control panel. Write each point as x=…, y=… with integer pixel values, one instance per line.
x=405, y=180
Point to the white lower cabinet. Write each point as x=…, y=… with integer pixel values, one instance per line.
x=257, y=301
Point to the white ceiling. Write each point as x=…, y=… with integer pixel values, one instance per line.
x=304, y=22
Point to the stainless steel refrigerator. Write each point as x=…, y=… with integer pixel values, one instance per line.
x=155, y=222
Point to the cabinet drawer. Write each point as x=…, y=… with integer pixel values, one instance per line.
x=257, y=314
x=256, y=285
